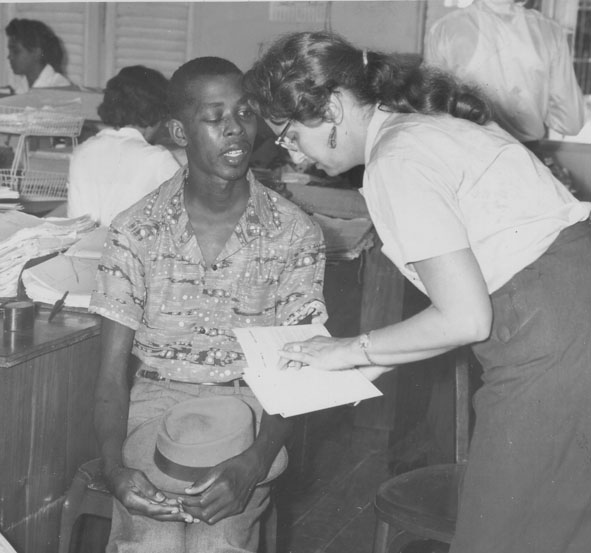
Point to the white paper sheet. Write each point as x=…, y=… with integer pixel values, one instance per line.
x=24, y=237
x=291, y=392
x=91, y=245
x=48, y=281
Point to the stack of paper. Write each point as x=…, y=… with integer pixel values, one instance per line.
x=293, y=392
x=24, y=237
x=91, y=245
x=9, y=199
x=47, y=281
x=85, y=101
x=74, y=272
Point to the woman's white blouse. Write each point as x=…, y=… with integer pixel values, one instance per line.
x=437, y=184
x=521, y=61
x=112, y=170
x=48, y=78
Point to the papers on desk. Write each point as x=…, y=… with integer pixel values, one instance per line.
x=10, y=206
x=291, y=392
x=24, y=237
x=9, y=199
x=8, y=194
x=48, y=281
x=84, y=101
x=73, y=271
x=90, y=245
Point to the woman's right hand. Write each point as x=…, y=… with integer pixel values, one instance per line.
x=323, y=353
x=140, y=497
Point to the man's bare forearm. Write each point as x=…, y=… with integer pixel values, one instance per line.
x=112, y=393
x=110, y=423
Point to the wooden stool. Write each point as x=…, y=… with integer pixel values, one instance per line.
x=88, y=495
x=422, y=504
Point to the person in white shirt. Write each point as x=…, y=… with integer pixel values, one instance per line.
x=36, y=55
x=112, y=170
x=519, y=58
x=501, y=249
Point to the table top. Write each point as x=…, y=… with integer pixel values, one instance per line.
x=66, y=328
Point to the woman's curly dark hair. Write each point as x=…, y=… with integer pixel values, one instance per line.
x=296, y=76
x=135, y=96
x=32, y=34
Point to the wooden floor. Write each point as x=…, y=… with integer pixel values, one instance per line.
x=328, y=508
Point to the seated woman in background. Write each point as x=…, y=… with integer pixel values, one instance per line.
x=111, y=171
x=36, y=55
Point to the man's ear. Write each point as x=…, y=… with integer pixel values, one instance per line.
x=334, y=110
x=177, y=132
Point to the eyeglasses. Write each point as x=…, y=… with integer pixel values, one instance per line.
x=284, y=141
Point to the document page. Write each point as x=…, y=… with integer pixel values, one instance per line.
x=91, y=245
x=293, y=392
x=48, y=281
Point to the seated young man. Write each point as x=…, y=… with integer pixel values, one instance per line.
x=210, y=250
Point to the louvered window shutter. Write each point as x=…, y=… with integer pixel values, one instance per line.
x=76, y=24
x=154, y=34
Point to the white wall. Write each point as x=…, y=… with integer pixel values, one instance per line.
x=236, y=30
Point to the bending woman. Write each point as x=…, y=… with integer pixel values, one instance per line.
x=500, y=247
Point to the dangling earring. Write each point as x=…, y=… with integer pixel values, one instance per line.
x=332, y=138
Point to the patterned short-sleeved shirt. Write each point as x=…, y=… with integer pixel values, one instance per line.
x=152, y=278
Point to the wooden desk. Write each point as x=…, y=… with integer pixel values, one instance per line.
x=46, y=388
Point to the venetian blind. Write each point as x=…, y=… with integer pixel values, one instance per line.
x=154, y=34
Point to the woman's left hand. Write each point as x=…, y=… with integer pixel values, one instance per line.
x=320, y=352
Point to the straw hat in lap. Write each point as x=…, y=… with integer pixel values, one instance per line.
x=179, y=447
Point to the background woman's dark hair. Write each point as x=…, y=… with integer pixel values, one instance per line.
x=296, y=76
x=32, y=34
x=135, y=96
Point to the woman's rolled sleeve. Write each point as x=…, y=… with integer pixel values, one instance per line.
x=411, y=197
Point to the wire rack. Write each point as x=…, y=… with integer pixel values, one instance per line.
x=39, y=122
x=36, y=185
